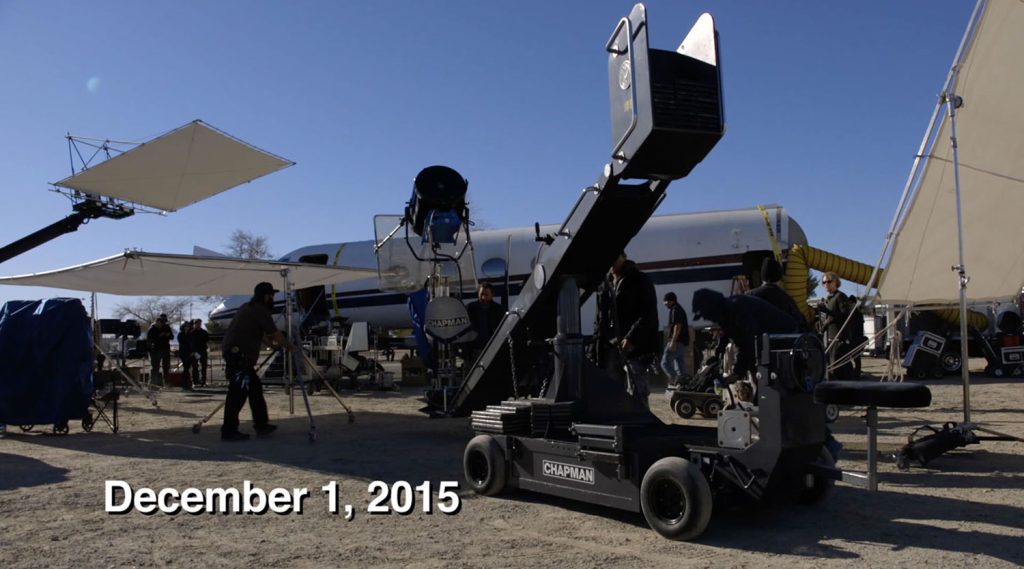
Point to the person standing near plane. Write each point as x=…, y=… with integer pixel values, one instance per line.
x=201, y=352
x=772, y=293
x=835, y=309
x=484, y=316
x=185, y=354
x=677, y=340
x=159, y=337
x=242, y=340
x=634, y=307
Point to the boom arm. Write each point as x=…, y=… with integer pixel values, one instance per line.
x=84, y=211
x=666, y=117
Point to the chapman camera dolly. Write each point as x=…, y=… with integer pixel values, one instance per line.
x=585, y=438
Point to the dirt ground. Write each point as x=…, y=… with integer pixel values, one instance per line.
x=966, y=509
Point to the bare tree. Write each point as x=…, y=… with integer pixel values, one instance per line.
x=148, y=308
x=248, y=245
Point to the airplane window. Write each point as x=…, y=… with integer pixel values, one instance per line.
x=494, y=267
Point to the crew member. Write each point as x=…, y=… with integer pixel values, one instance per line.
x=484, y=315
x=247, y=331
x=835, y=310
x=159, y=338
x=677, y=340
x=772, y=293
x=185, y=354
x=633, y=316
x=201, y=352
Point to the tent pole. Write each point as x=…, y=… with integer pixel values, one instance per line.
x=288, y=324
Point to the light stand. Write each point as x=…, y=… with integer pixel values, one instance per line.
x=967, y=428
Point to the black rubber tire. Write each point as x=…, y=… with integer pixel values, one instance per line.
x=483, y=465
x=676, y=499
x=711, y=408
x=831, y=413
x=821, y=487
x=950, y=362
x=684, y=408
x=919, y=373
x=61, y=429
x=938, y=372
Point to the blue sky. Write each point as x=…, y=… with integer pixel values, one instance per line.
x=826, y=104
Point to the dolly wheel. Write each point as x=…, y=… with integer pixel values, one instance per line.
x=831, y=413
x=60, y=428
x=820, y=486
x=950, y=362
x=684, y=408
x=711, y=408
x=483, y=464
x=676, y=499
x=25, y=428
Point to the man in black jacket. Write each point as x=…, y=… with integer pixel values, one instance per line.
x=252, y=325
x=200, y=352
x=835, y=310
x=772, y=293
x=484, y=314
x=185, y=354
x=159, y=338
x=628, y=321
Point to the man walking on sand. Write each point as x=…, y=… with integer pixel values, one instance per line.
x=246, y=333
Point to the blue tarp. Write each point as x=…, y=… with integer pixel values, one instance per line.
x=46, y=357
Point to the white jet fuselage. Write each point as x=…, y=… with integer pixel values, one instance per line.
x=680, y=252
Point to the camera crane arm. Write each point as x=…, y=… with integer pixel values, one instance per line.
x=84, y=211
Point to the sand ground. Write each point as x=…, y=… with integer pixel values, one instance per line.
x=966, y=509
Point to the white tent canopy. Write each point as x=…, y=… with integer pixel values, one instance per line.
x=180, y=168
x=136, y=273
x=990, y=136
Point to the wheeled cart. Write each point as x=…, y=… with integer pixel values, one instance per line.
x=687, y=403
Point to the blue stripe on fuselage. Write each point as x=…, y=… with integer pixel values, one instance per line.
x=366, y=298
